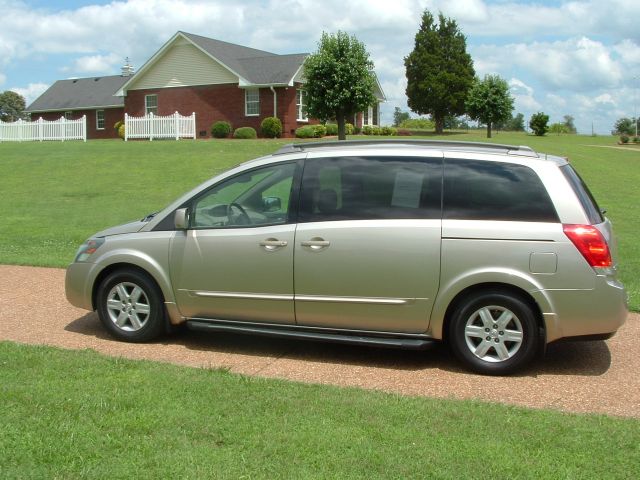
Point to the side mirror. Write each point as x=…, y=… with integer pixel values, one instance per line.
x=271, y=204
x=181, y=219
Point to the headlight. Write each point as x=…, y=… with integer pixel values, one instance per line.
x=88, y=248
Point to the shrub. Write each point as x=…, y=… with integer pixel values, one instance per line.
x=319, y=131
x=305, y=132
x=636, y=139
x=422, y=123
x=348, y=128
x=372, y=130
x=538, y=123
x=271, y=127
x=116, y=125
x=558, y=128
x=624, y=126
x=389, y=131
x=220, y=129
x=245, y=133
x=624, y=138
x=403, y=132
x=357, y=130
x=332, y=129
x=121, y=131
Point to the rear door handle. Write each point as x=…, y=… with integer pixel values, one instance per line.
x=316, y=243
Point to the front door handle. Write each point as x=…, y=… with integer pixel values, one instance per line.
x=316, y=243
x=271, y=244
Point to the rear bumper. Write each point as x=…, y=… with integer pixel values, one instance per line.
x=594, y=314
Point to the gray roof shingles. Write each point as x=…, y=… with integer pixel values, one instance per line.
x=80, y=93
x=256, y=66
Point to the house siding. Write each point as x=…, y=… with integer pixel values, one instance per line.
x=184, y=65
x=212, y=103
x=111, y=116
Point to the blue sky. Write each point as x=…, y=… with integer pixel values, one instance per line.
x=580, y=58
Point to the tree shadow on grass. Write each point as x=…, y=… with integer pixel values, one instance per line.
x=564, y=358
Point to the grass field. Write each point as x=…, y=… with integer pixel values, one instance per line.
x=54, y=195
x=81, y=415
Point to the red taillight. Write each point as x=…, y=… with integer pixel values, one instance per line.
x=591, y=244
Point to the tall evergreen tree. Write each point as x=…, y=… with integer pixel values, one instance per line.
x=439, y=70
x=568, y=123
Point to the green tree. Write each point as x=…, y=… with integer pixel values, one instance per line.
x=624, y=126
x=489, y=101
x=399, y=116
x=514, y=124
x=568, y=123
x=439, y=70
x=558, y=128
x=12, y=106
x=339, y=79
x=538, y=123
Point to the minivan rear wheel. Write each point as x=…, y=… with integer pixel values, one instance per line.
x=494, y=333
x=130, y=306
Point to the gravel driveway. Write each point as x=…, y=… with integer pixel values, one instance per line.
x=599, y=377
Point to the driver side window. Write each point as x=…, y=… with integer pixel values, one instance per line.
x=255, y=198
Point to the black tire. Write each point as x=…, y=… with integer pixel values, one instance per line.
x=494, y=333
x=130, y=306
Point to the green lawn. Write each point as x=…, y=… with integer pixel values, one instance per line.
x=81, y=415
x=54, y=195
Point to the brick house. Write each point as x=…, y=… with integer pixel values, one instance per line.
x=190, y=73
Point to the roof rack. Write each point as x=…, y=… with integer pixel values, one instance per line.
x=508, y=149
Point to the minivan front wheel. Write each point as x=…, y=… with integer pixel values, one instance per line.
x=494, y=333
x=130, y=306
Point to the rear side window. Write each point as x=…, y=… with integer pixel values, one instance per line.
x=358, y=188
x=481, y=190
x=584, y=195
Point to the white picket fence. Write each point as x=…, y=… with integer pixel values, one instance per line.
x=154, y=126
x=40, y=130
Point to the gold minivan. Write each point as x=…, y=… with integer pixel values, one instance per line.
x=495, y=249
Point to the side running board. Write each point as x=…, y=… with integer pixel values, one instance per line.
x=409, y=343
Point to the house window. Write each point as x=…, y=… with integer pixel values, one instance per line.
x=300, y=106
x=369, y=117
x=151, y=104
x=99, y=119
x=252, y=102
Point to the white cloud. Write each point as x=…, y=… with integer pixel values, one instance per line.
x=471, y=11
x=520, y=19
x=94, y=64
x=605, y=98
x=628, y=51
x=574, y=64
x=523, y=96
x=32, y=91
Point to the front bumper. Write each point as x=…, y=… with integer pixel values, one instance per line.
x=78, y=284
